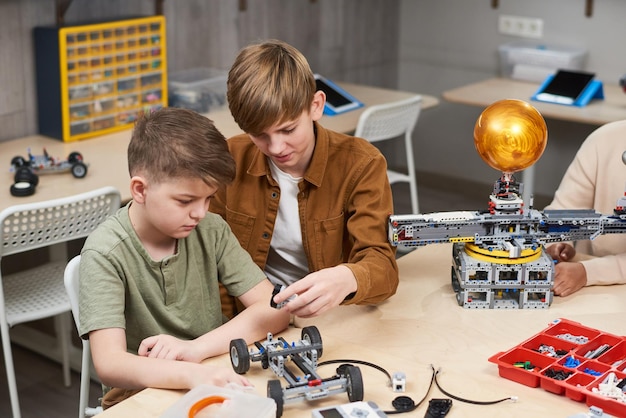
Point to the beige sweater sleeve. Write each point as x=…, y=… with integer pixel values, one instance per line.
x=596, y=179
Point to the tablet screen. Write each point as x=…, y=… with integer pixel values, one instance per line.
x=337, y=99
x=567, y=84
x=332, y=96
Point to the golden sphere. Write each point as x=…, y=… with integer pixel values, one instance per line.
x=510, y=135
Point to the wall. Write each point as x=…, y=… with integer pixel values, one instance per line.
x=444, y=45
x=351, y=40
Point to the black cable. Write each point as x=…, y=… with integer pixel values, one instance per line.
x=436, y=372
x=404, y=404
x=401, y=404
x=364, y=363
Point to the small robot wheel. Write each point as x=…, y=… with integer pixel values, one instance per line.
x=18, y=161
x=312, y=335
x=22, y=189
x=239, y=356
x=275, y=391
x=354, y=384
x=25, y=174
x=79, y=170
x=75, y=157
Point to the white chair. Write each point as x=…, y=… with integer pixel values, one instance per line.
x=39, y=292
x=390, y=121
x=71, y=280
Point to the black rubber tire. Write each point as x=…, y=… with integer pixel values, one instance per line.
x=18, y=161
x=239, y=356
x=275, y=391
x=355, y=384
x=75, y=157
x=22, y=189
x=312, y=335
x=79, y=170
x=25, y=174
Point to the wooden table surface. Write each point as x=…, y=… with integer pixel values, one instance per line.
x=423, y=325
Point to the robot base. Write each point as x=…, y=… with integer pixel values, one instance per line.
x=479, y=284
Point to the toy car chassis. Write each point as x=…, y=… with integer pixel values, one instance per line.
x=27, y=170
x=276, y=353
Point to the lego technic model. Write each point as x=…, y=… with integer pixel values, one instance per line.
x=305, y=384
x=27, y=170
x=498, y=257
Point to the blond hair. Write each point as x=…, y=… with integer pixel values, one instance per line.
x=269, y=83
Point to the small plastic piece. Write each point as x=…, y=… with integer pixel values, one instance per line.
x=398, y=382
x=350, y=410
x=277, y=289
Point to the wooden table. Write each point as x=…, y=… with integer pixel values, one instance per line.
x=597, y=112
x=106, y=155
x=423, y=325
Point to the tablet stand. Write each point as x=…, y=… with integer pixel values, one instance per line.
x=593, y=90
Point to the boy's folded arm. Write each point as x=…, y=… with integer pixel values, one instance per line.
x=118, y=368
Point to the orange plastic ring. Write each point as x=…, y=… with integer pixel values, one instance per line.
x=203, y=403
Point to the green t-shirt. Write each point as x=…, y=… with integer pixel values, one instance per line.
x=122, y=287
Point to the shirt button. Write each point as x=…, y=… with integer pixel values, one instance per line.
x=266, y=235
x=274, y=195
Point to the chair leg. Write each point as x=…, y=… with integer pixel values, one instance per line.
x=85, y=377
x=410, y=162
x=8, y=363
x=62, y=325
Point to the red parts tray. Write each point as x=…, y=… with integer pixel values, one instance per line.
x=569, y=359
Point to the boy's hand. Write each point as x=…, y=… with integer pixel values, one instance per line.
x=561, y=251
x=318, y=292
x=170, y=348
x=569, y=278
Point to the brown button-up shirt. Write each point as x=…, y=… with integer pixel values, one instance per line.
x=344, y=203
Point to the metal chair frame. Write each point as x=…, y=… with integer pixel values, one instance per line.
x=390, y=121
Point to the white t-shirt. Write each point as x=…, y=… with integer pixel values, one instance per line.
x=286, y=261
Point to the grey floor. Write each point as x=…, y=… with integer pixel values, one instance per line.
x=40, y=381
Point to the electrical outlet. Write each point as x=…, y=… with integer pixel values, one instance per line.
x=525, y=27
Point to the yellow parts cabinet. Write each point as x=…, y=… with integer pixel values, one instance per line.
x=95, y=79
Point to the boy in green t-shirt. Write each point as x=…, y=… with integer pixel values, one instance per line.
x=149, y=288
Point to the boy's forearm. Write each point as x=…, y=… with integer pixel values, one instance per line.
x=252, y=324
x=131, y=371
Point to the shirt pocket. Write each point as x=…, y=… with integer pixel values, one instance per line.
x=241, y=225
x=329, y=240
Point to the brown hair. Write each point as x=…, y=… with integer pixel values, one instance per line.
x=174, y=143
x=269, y=83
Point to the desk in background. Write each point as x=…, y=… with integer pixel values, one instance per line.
x=106, y=155
x=597, y=112
x=422, y=325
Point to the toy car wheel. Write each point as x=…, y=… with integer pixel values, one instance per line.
x=354, y=384
x=312, y=335
x=275, y=391
x=239, y=356
x=18, y=161
x=25, y=174
x=79, y=170
x=22, y=189
x=75, y=157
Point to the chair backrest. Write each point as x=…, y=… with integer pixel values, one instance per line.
x=389, y=120
x=71, y=279
x=40, y=224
